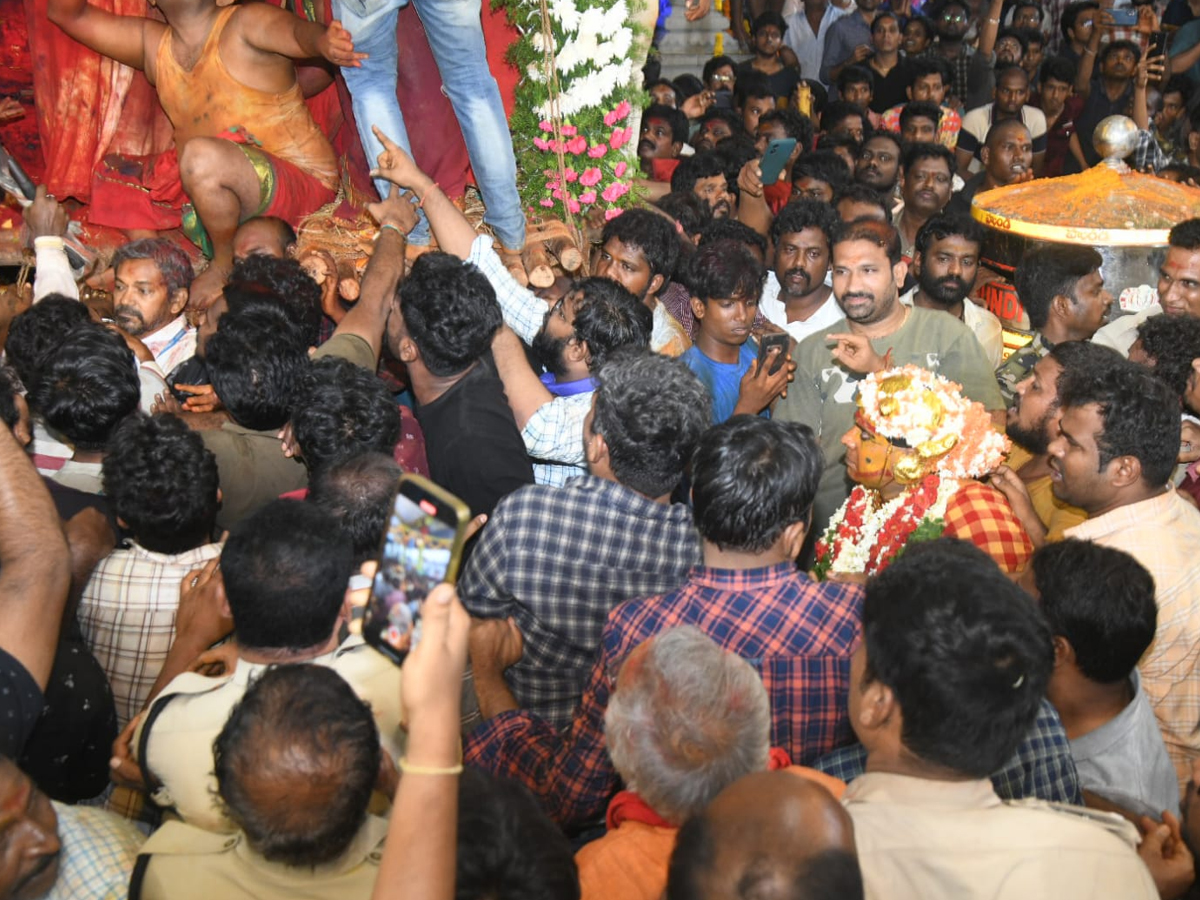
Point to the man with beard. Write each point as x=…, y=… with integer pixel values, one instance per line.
x=971, y=68
x=149, y=294
x=795, y=296
x=1062, y=291
x=945, y=259
x=715, y=126
x=704, y=175
x=1007, y=157
x=1032, y=422
x=638, y=250
x=926, y=180
x=878, y=165
x=867, y=274
x=664, y=132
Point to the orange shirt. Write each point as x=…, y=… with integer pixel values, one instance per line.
x=207, y=101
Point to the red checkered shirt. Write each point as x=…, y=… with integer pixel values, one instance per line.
x=797, y=634
x=980, y=514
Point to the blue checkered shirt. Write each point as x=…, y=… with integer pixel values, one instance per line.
x=1042, y=766
x=558, y=560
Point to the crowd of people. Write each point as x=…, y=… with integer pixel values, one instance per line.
x=786, y=578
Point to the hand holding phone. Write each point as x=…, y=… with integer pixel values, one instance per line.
x=775, y=158
x=765, y=343
x=422, y=548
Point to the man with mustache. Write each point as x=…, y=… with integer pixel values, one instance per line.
x=867, y=274
x=151, y=289
x=1110, y=93
x=926, y=181
x=796, y=296
x=1007, y=157
x=664, y=132
x=878, y=165
x=945, y=260
x=704, y=175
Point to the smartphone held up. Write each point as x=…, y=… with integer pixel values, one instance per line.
x=422, y=547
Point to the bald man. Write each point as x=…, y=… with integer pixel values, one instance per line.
x=771, y=836
x=1007, y=158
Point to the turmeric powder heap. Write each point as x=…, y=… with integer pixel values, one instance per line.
x=1097, y=198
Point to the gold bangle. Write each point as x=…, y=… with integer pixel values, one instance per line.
x=409, y=769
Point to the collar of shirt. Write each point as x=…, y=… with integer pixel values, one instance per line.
x=1158, y=511
x=196, y=556
x=905, y=790
x=621, y=497
x=743, y=579
x=567, y=388
x=167, y=336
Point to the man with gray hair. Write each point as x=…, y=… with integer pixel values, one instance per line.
x=687, y=719
x=153, y=277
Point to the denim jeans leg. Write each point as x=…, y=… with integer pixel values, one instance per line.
x=373, y=87
x=456, y=37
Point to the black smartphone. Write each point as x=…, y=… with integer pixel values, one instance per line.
x=1158, y=44
x=765, y=343
x=422, y=547
x=723, y=99
x=775, y=158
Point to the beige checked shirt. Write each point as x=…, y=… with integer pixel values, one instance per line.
x=1163, y=534
x=127, y=613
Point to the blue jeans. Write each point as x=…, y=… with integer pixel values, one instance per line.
x=455, y=36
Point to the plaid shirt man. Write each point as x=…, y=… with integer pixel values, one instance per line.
x=797, y=634
x=558, y=560
x=127, y=613
x=1040, y=767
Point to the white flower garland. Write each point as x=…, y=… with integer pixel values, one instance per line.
x=596, y=45
x=851, y=556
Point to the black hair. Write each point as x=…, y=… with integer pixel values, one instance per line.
x=752, y=86
x=926, y=25
x=168, y=257
x=10, y=388
x=254, y=360
x=288, y=284
x=828, y=875
x=693, y=168
x=751, y=479
x=862, y=193
x=924, y=66
x=794, y=124
x=1140, y=416
x=944, y=225
x=801, y=214
x=724, y=269
x=770, y=17
x=817, y=93
x=854, y=75
x=1172, y=342
x=651, y=411
x=339, y=410
x=646, y=230
x=734, y=153
x=308, y=811
x=882, y=16
x=1185, y=235
x=1070, y=13
x=508, y=848
x=732, y=230
x=1028, y=4
x=1018, y=35
x=688, y=85
x=357, y=492
x=1179, y=84
x=883, y=134
x=1182, y=171
x=965, y=652
x=663, y=82
x=1060, y=68
x=828, y=143
x=715, y=63
x=1033, y=35
x=838, y=111
x=687, y=209
x=35, y=334
x=823, y=165
x=285, y=568
x=1113, y=46
x=923, y=109
x=608, y=317
x=450, y=312
x=1046, y=272
x=284, y=231
x=673, y=117
x=728, y=116
x=162, y=482
x=87, y=386
x=1108, y=615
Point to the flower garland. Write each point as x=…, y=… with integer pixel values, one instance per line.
x=866, y=537
x=572, y=131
